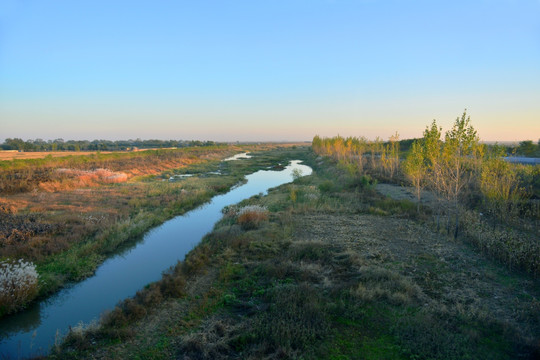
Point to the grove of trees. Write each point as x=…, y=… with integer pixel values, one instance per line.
x=455, y=167
x=96, y=145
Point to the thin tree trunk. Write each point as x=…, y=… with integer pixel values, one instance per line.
x=457, y=225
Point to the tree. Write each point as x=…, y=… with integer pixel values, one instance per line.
x=415, y=169
x=457, y=161
x=432, y=154
x=15, y=144
x=390, y=155
x=500, y=188
x=432, y=158
x=527, y=148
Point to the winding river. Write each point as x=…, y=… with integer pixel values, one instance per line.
x=35, y=330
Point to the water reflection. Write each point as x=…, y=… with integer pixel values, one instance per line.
x=238, y=156
x=22, y=322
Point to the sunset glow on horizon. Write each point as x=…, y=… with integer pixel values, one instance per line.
x=268, y=71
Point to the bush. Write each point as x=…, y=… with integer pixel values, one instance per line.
x=18, y=285
x=326, y=187
x=250, y=217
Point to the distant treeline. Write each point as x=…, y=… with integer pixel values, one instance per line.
x=526, y=148
x=96, y=145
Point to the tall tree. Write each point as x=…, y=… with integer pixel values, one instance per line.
x=415, y=169
x=456, y=167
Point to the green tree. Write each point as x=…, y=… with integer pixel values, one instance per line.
x=415, y=169
x=499, y=183
x=457, y=163
x=527, y=148
x=390, y=155
x=432, y=155
x=15, y=144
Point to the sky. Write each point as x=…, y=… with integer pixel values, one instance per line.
x=274, y=70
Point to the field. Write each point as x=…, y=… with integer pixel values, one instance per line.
x=337, y=271
x=14, y=154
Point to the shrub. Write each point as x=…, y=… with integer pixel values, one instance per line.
x=326, y=187
x=18, y=285
x=250, y=217
x=296, y=174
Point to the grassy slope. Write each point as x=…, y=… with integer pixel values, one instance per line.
x=338, y=273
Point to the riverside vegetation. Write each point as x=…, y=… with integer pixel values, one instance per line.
x=64, y=216
x=328, y=267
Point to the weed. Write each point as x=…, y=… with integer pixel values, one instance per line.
x=250, y=217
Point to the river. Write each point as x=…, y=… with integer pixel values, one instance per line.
x=35, y=330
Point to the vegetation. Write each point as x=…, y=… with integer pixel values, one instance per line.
x=18, y=285
x=495, y=203
x=338, y=271
x=327, y=266
x=67, y=173
x=68, y=229
x=526, y=148
x=96, y=145
x=250, y=217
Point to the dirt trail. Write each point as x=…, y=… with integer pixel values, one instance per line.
x=398, y=192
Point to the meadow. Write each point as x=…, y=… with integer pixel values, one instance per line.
x=15, y=154
x=325, y=267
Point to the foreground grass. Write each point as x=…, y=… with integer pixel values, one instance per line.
x=337, y=272
x=67, y=234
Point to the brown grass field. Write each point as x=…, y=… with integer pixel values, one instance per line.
x=14, y=154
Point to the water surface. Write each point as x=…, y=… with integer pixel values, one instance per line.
x=238, y=156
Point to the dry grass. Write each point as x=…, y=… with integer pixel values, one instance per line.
x=67, y=173
x=251, y=217
x=16, y=155
x=18, y=285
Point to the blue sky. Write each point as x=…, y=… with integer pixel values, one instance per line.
x=267, y=70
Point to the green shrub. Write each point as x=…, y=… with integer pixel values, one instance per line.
x=326, y=187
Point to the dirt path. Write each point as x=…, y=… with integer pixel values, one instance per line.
x=398, y=192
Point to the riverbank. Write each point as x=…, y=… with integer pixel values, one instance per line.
x=337, y=271
x=68, y=233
